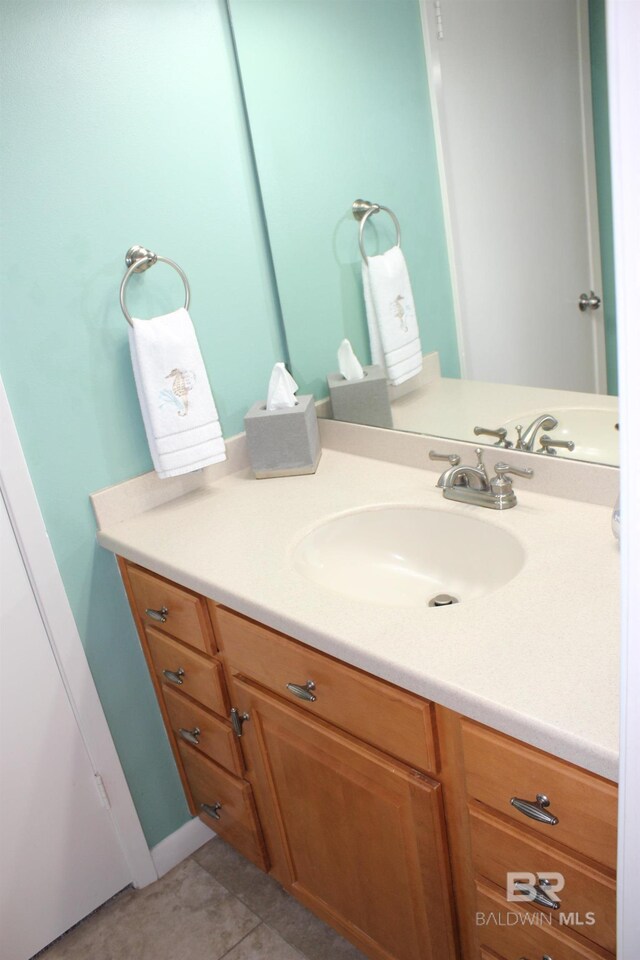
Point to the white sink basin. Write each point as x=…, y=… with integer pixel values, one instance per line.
x=592, y=429
x=405, y=556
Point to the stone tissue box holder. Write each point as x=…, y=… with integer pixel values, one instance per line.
x=283, y=443
x=363, y=401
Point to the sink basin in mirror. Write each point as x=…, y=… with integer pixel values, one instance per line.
x=592, y=429
x=405, y=555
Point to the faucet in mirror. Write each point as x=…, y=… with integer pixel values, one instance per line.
x=482, y=126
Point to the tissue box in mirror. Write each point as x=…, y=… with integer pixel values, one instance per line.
x=283, y=443
x=361, y=401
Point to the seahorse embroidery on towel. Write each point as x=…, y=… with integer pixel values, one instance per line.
x=178, y=396
x=400, y=312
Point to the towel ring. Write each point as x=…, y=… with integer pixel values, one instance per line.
x=139, y=259
x=362, y=210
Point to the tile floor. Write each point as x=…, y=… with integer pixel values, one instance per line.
x=215, y=904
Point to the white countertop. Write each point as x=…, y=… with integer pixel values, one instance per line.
x=537, y=658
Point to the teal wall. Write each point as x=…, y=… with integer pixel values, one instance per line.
x=337, y=99
x=122, y=124
x=599, y=95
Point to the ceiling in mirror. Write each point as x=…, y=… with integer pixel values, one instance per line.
x=482, y=125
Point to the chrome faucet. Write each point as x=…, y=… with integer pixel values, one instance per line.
x=527, y=438
x=472, y=485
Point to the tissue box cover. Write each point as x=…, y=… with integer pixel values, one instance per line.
x=361, y=401
x=283, y=443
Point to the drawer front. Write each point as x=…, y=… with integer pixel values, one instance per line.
x=200, y=677
x=588, y=897
x=185, y=614
x=214, y=737
x=392, y=720
x=210, y=785
x=507, y=930
x=498, y=769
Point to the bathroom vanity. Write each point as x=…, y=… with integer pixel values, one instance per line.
x=370, y=756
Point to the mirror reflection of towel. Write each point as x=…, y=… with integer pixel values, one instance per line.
x=178, y=409
x=391, y=316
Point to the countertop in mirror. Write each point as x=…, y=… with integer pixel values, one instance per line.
x=451, y=408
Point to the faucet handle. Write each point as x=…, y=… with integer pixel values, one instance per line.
x=453, y=458
x=548, y=445
x=502, y=468
x=502, y=486
x=499, y=432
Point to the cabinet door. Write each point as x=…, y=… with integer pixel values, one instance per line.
x=361, y=836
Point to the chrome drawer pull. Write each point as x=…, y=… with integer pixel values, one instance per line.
x=174, y=676
x=159, y=615
x=539, y=896
x=302, y=692
x=237, y=720
x=191, y=736
x=211, y=810
x=536, y=811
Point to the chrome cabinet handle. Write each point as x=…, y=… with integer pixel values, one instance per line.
x=191, y=736
x=536, y=811
x=237, y=721
x=303, y=692
x=174, y=676
x=158, y=615
x=540, y=897
x=211, y=810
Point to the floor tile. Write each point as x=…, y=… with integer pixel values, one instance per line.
x=263, y=943
x=280, y=911
x=187, y=915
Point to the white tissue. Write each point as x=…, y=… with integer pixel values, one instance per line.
x=348, y=364
x=282, y=388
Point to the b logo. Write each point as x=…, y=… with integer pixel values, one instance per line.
x=529, y=886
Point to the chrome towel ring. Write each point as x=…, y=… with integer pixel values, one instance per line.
x=139, y=259
x=362, y=210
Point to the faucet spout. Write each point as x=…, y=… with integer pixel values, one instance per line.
x=475, y=477
x=527, y=438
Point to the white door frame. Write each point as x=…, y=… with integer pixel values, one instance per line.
x=623, y=43
x=48, y=588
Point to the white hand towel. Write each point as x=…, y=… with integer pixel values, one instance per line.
x=391, y=316
x=179, y=413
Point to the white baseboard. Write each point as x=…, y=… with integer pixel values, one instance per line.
x=179, y=845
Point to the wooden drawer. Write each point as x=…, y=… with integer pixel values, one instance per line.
x=216, y=738
x=393, y=720
x=499, y=846
x=187, y=617
x=238, y=821
x=508, y=931
x=202, y=678
x=498, y=768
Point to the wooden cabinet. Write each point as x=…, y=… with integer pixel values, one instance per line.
x=359, y=837
x=559, y=844
x=356, y=834
x=189, y=681
x=388, y=816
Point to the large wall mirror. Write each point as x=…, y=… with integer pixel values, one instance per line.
x=482, y=124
